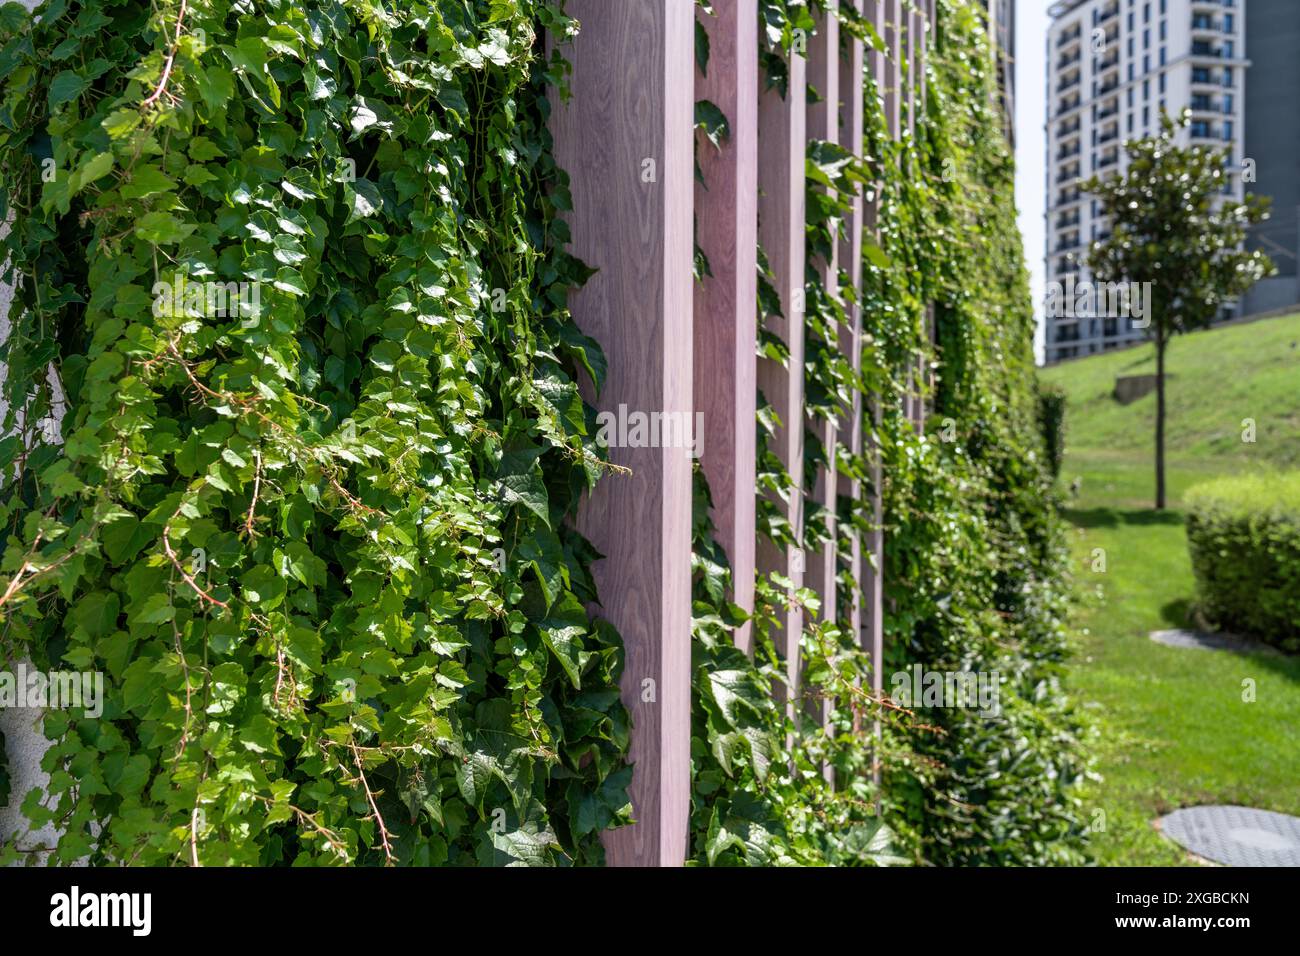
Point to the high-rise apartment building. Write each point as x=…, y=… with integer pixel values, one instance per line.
x=1273, y=144
x=1113, y=67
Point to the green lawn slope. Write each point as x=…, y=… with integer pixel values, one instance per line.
x=1174, y=727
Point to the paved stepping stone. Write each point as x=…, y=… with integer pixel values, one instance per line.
x=1236, y=836
x=1204, y=640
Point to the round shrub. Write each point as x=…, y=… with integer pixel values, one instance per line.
x=1244, y=538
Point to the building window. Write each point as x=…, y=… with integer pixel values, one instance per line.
x=1162, y=82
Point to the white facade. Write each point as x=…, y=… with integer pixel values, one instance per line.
x=1112, y=67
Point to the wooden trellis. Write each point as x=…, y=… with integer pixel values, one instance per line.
x=626, y=138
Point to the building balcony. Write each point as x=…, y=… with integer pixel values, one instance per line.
x=1068, y=84
x=1201, y=48
x=1069, y=60
x=1065, y=222
x=1067, y=153
x=1109, y=136
x=1067, y=104
x=1069, y=37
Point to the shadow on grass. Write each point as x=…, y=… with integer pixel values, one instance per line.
x=1114, y=517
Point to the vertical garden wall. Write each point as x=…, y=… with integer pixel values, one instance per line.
x=350, y=311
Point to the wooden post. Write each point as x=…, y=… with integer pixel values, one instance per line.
x=625, y=139
x=726, y=302
x=873, y=621
x=782, y=125
x=823, y=124
x=851, y=127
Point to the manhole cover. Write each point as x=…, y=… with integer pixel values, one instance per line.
x=1236, y=836
x=1206, y=641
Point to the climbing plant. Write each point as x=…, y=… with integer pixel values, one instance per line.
x=294, y=434
x=973, y=563
x=974, y=555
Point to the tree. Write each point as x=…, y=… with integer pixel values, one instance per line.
x=1173, y=227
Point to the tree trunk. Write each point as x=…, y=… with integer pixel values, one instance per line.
x=1161, y=343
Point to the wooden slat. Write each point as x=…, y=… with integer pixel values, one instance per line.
x=892, y=86
x=726, y=306
x=782, y=125
x=823, y=124
x=633, y=102
x=874, y=546
x=851, y=126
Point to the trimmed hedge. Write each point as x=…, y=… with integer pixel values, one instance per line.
x=1244, y=538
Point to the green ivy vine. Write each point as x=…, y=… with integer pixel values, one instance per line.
x=318, y=539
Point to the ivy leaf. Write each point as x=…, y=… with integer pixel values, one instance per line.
x=710, y=119
x=544, y=553
x=66, y=86
x=520, y=481
x=162, y=228
x=562, y=632
x=145, y=181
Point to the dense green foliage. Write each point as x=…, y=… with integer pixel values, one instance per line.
x=319, y=543
x=974, y=553
x=1244, y=537
x=316, y=540
x=973, y=562
x=772, y=786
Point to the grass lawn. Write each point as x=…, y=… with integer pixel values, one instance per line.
x=1172, y=729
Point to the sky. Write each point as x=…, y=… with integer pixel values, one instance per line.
x=1031, y=33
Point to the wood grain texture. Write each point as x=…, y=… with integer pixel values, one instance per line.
x=782, y=125
x=634, y=101
x=726, y=302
